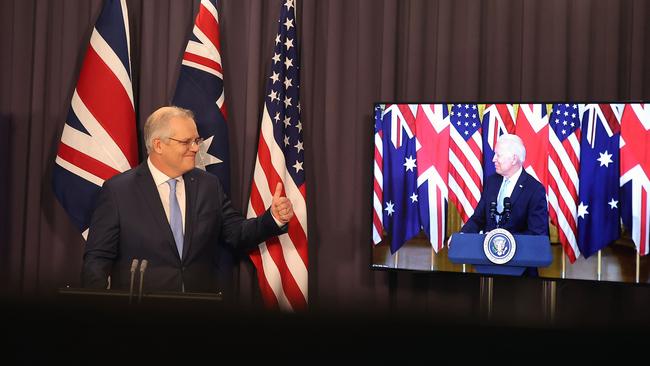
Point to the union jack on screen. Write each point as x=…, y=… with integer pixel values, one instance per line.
x=281, y=262
x=99, y=135
x=200, y=89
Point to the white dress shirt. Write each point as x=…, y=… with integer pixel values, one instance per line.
x=163, y=190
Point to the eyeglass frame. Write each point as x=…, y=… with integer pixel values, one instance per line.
x=188, y=143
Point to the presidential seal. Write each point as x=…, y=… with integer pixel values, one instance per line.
x=499, y=246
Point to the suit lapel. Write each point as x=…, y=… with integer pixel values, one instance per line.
x=149, y=191
x=191, y=192
x=519, y=187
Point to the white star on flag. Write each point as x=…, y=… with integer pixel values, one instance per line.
x=390, y=208
x=409, y=163
x=203, y=158
x=613, y=204
x=605, y=159
x=582, y=210
x=414, y=197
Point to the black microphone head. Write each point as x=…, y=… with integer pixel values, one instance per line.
x=506, y=203
x=493, y=206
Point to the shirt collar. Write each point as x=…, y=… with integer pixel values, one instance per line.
x=515, y=177
x=158, y=176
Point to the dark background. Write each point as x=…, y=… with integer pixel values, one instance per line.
x=354, y=53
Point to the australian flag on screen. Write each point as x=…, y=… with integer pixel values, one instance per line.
x=598, y=209
x=400, y=208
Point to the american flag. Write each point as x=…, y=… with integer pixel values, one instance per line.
x=498, y=119
x=532, y=128
x=635, y=173
x=99, y=135
x=378, y=182
x=281, y=262
x=465, y=159
x=563, y=168
x=599, y=208
x=200, y=89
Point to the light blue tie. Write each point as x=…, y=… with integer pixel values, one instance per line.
x=501, y=196
x=175, y=219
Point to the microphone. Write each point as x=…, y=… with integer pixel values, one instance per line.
x=506, y=209
x=134, y=265
x=143, y=267
x=493, y=211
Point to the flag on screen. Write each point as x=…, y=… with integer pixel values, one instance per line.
x=432, y=125
x=497, y=120
x=465, y=159
x=635, y=170
x=563, y=168
x=200, y=89
x=281, y=262
x=598, y=210
x=532, y=128
x=99, y=135
x=378, y=182
x=401, y=214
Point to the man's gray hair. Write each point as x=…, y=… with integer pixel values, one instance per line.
x=515, y=145
x=157, y=125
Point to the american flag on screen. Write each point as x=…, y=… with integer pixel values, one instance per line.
x=635, y=171
x=99, y=135
x=281, y=262
x=378, y=181
x=465, y=159
x=563, y=170
x=200, y=89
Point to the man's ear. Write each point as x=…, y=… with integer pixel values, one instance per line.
x=157, y=146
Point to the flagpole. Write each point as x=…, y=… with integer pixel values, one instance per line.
x=433, y=256
x=600, y=264
x=638, y=264
x=396, y=258
x=563, y=265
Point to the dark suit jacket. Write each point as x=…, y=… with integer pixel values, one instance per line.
x=529, y=210
x=129, y=222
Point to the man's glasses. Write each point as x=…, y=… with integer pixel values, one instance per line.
x=190, y=142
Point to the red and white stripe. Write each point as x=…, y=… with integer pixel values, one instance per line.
x=563, y=182
x=205, y=55
x=378, y=190
x=635, y=167
x=282, y=261
x=465, y=172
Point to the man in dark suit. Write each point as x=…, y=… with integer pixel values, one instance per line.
x=528, y=206
x=172, y=214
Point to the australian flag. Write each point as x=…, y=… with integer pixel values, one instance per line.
x=200, y=89
x=401, y=215
x=598, y=210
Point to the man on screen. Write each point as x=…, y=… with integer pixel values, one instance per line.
x=528, y=209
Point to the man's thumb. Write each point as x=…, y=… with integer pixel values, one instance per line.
x=278, y=190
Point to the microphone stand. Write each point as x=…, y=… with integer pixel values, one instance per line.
x=134, y=265
x=506, y=210
x=143, y=267
x=493, y=210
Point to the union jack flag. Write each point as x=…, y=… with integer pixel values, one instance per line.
x=563, y=168
x=635, y=170
x=532, y=128
x=465, y=159
x=281, y=262
x=99, y=135
x=200, y=89
x=498, y=119
x=599, y=208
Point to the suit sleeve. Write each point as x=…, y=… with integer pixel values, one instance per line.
x=103, y=241
x=246, y=234
x=537, y=213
